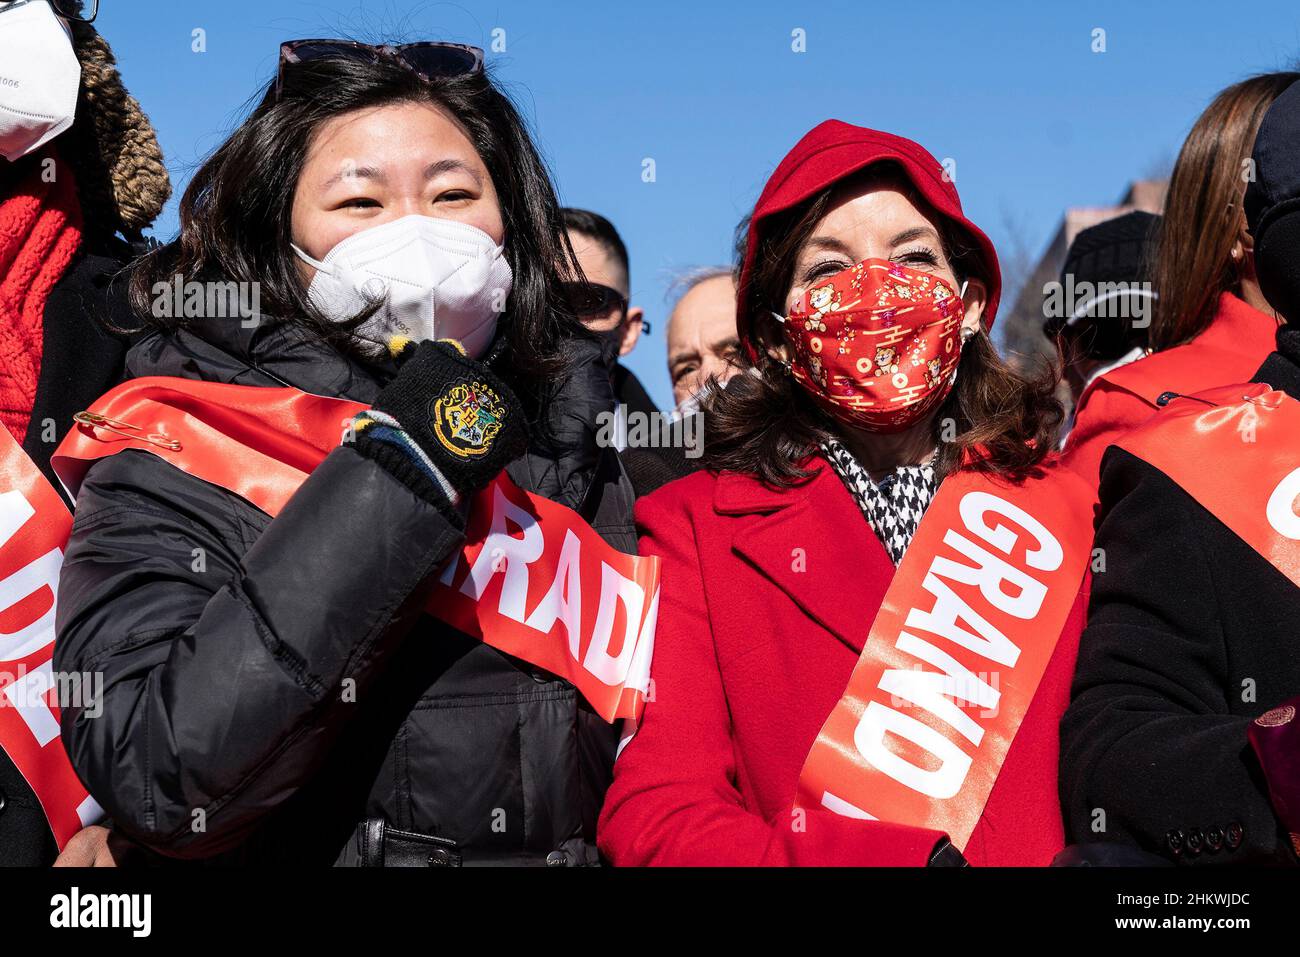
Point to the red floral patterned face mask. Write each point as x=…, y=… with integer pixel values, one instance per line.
x=877, y=344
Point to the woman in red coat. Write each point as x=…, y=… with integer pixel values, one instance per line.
x=1211, y=324
x=876, y=399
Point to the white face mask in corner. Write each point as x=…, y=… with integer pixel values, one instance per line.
x=39, y=77
x=435, y=279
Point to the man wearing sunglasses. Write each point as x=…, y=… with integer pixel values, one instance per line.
x=602, y=302
x=81, y=176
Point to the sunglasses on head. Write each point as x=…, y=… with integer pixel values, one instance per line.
x=68, y=9
x=428, y=60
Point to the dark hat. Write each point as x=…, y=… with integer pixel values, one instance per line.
x=1274, y=189
x=1272, y=204
x=1111, y=252
x=832, y=152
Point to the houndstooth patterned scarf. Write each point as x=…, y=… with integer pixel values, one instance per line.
x=893, y=507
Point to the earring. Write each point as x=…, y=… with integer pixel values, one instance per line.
x=1236, y=251
x=966, y=335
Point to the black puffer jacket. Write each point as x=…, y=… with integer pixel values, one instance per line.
x=226, y=733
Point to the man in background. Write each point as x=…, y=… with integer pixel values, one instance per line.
x=1103, y=325
x=602, y=301
x=702, y=349
x=702, y=342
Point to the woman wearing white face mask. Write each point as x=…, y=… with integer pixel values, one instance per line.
x=377, y=200
x=81, y=175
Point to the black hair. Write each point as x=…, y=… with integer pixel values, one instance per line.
x=236, y=214
x=597, y=227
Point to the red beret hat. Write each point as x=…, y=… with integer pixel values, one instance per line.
x=833, y=151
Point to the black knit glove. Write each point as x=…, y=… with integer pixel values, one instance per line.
x=445, y=425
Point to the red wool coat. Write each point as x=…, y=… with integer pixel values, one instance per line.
x=751, y=655
x=1230, y=350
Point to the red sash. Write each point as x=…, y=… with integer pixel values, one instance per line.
x=34, y=527
x=955, y=655
x=533, y=580
x=1235, y=449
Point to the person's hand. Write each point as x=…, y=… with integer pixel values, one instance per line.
x=445, y=425
x=87, y=848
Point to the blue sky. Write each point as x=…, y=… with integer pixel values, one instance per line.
x=715, y=95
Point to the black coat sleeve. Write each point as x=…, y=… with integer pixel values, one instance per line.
x=1150, y=743
x=224, y=652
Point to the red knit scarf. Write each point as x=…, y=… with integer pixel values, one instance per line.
x=40, y=230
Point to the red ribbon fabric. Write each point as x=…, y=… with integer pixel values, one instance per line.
x=34, y=527
x=955, y=655
x=533, y=579
x=1233, y=449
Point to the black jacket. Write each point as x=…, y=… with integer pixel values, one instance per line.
x=648, y=468
x=227, y=731
x=80, y=360
x=630, y=392
x=1191, y=635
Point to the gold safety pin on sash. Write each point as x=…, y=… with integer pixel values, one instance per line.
x=97, y=420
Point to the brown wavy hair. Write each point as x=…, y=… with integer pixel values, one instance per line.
x=1192, y=253
x=764, y=424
